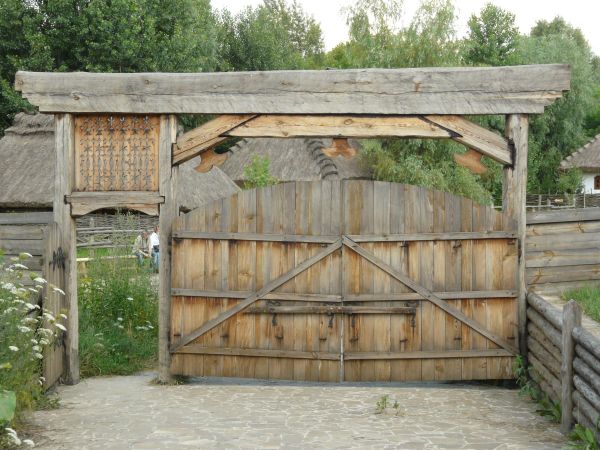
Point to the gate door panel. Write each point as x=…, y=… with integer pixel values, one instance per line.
x=352, y=280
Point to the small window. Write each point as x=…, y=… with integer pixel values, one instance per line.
x=597, y=183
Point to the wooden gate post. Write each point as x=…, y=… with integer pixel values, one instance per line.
x=168, y=213
x=571, y=318
x=64, y=141
x=514, y=191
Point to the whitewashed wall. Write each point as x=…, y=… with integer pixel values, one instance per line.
x=588, y=183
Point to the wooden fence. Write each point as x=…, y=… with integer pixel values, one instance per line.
x=563, y=248
x=564, y=360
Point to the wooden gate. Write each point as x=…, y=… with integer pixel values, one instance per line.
x=344, y=280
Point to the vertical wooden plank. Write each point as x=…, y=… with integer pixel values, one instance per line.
x=277, y=267
x=381, y=280
x=480, y=268
x=571, y=318
x=453, y=367
x=513, y=207
x=64, y=141
x=168, y=213
x=54, y=356
x=315, y=226
x=264, y=224
x=440, y=250
x=466, y=284
x=425, y=225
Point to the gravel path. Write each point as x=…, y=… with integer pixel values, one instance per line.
x=132, y=413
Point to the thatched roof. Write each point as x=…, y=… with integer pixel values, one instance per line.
x=27, y=169
x=293, y=159
x=587, y=158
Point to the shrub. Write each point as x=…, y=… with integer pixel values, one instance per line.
x=118, y=309
x=258, y=174
x=25, y=329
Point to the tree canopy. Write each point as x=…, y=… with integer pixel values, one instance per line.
x=190, y=35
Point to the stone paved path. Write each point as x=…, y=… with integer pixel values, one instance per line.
x=131, y=413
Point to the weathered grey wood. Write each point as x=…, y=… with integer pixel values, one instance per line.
x=575, y=241
x=543, y=385
x=514, y=191
x=476, y=137
x=269, y=353
x=64, y=135
x=562, y=258
x=168, y=212
x=21, y=232
x=83, y=203
x=549, y=312
x=53, y=302
x=459, y=295
x=26, y=218
x=548, y=377
x=194, y=142
x=426, y=293
x=274, y=284
x=428, y=354
x=544, y=275
x=587, y=392
x=544, y=340
x=454, y=236
x=558, y=228
x=283, y=296
x=583, y=420
x=587, y=340
x=588, y=374
x=571, y=318
x=282, y=126
x=585, y=407
x=589, y=359
x=570, y=215
x=183, y=234
x=330, y=309
x=549, y=360
x=14, y=246
x=549, y=330
x=473, y=90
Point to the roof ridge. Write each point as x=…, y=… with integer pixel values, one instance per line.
x=327, y=167
x=565, y=162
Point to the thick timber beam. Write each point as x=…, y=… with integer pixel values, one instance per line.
x=206, y=136
x=64, y=142
x=513, y=210
x=440, y=90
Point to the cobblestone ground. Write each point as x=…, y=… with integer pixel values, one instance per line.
x=131, y=413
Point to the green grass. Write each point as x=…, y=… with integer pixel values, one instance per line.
x=84, y=252
x=589, y=299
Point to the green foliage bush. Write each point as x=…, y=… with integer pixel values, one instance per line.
x=589, y=299
x=26, y=329
x=258, y=174
x=118, y=312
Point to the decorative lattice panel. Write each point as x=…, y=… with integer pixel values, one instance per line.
x=116, y=152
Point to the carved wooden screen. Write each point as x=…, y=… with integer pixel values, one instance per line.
x=116, y=153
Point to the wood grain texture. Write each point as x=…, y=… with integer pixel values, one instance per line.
x=476, y=90
x=344, y=304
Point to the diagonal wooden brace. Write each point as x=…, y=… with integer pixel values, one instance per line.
x=427, y=294
x=207, y=326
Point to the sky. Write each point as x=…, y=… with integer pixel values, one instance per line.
x=582, y=14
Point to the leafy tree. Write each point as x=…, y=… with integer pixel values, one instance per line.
x=275, y=35
x=492, y=38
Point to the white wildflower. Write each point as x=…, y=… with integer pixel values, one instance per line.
x=130, y=299
x=28, y=443
x=35, y=348
x=60, y=291
x=63, y=316
x=19, y=266
x=120, y=319
x=38, y=355
x=44, y=341
x=49, y=316
x=32, y=290
x=46, y=332
x=24, y=329
x=13, y=348
x=40, y=280
x=121, y=327
x=24, y=255
x=29, y=320
x=60, y=326
x=34, y=341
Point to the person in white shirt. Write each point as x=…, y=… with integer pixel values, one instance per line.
x=153, y=248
